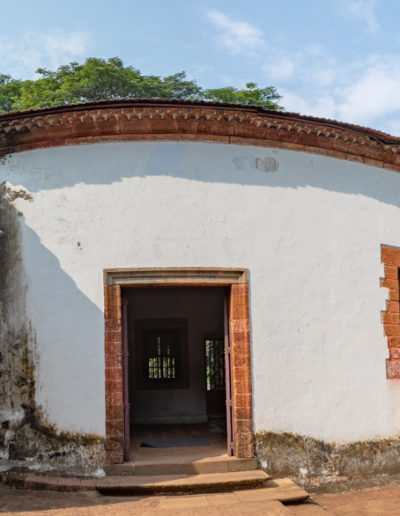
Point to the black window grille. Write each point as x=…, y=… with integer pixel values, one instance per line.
x=215, y=364
x=161, y=354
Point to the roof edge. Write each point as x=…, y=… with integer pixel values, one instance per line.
x=126, y=102
x=171, y=119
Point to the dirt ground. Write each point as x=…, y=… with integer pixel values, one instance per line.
x=374, y=501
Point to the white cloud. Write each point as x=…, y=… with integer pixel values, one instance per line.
x=375, y=93
x=362, y=10
x=313, y=81
x=22, y=56
x=310, y=64
x=280, y=69
x=393, y=127
x=367, y=95
x=239, y=37
x=321, y=106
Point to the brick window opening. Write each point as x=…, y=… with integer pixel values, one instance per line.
x=215, y=364
x=391, y=317
x=161, y=354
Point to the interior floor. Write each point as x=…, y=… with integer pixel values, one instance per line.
x=214, y=432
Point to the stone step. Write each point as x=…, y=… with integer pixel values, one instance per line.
x=185, y=467
x=212, y=482
x=281, y=489
x=248, y=487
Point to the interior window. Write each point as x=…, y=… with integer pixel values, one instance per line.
x=161, y=354
x=215, y=364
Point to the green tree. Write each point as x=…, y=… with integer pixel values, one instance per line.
x=266, y=97
x=10, y=92
x=98, y=79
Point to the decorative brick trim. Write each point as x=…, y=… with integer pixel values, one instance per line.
x=391, y=318
x=173, y=120
x=237, y=280
x=241, y=371
x=113, y=374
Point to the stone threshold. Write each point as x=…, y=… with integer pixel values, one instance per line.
x=181, y=465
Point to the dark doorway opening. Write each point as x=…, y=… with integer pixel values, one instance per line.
x=176, y=371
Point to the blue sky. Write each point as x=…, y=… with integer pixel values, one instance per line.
x=331, y=58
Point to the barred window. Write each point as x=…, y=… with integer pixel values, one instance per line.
x=215, y=364
x=161, y=354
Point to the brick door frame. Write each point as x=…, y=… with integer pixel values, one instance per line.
x=239, y=321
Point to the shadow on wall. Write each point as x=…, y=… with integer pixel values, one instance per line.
x=103, y=164
x=26, y=430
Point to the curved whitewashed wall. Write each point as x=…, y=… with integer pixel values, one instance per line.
x=309, y=233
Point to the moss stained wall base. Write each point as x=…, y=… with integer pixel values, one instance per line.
x=306, y=459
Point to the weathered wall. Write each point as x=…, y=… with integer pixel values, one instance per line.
x=316, y=463
x=17, y=338
x=203, y=310
x=307, y=227
x=26, y=435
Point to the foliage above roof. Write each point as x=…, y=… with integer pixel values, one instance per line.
x=99, y=79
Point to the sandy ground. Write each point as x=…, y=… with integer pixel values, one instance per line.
x=375, y=501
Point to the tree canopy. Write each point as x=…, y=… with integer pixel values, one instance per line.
x=99, y=79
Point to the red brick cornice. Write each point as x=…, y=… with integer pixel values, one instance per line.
x=135, y=120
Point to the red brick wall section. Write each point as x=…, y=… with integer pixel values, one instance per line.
x=391, y=318
x=241, y=371
x=113, y=375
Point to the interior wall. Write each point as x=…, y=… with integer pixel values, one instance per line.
x=203, y=309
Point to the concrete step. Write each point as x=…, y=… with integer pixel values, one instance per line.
x=281, y=489
x=182, y=467
x=247, y=487
x=212, y=482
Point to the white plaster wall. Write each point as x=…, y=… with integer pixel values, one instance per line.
x=309, y=233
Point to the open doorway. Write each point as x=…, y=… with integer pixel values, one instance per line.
x=177, y=372
x=117, y=284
